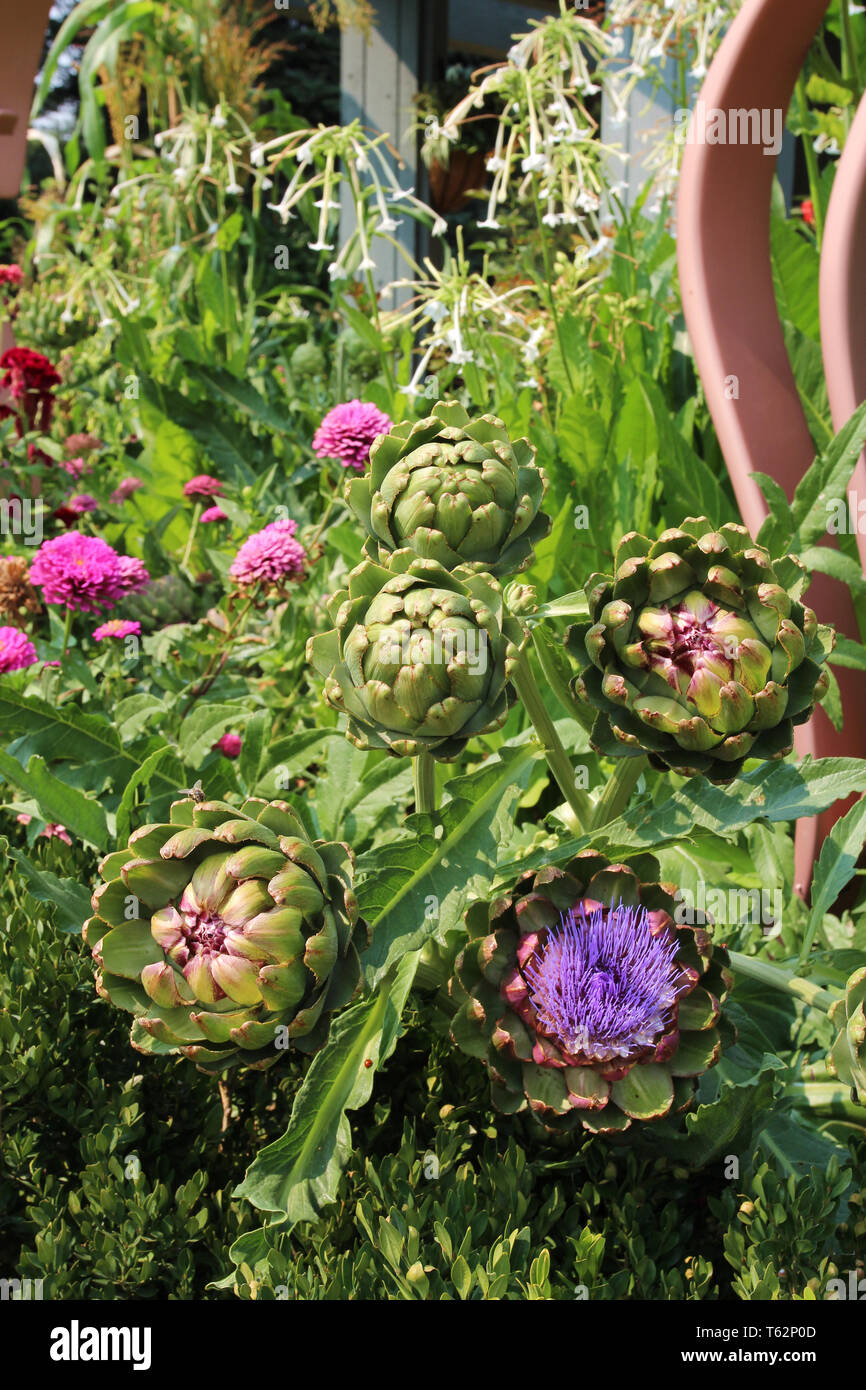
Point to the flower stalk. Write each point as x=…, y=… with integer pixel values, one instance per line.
x=557, y=759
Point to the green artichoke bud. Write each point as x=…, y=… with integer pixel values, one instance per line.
x=419, y=658
x=307, y=360
x=586, y=999
x=165, y=601
x=228, y=933
x=453, y=490
x=847, y=1058
x=699, y=652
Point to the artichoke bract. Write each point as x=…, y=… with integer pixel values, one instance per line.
x=228, y=933
x=847, y=1058
x=454, y=490
x=586, y=999
x=420, y=657
x=699, y=652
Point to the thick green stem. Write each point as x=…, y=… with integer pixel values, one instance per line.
x=67, y=628
x=424, y=772
x=831, y=1097
x=557, y=759
x=785, y=980
x=615, y=797
x=573, y=707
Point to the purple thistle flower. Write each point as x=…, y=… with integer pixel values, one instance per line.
x=80, y=572
x=347, y=432
x=16, y=650
x=604, y=984
x=271, y=556
x=134, y=577
x=117, y=627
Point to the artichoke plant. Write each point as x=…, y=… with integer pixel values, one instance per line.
x=847, y=1058
x=698, y=651
x=588, y=1002
x=454, y=490
x=419, y=658
x=227, y=932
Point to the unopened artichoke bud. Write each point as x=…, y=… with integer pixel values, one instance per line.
x=454, y=490
x=420, y=657
x=699, y=652
x=587, y=1001
x=847, y=1058
x=228, y=933
x=307, y=360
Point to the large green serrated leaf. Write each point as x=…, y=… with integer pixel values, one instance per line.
x=772, y=792
x=58, y=801
x=298, y=1174
x=414, y=887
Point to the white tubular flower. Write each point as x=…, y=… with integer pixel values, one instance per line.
x=218, y=120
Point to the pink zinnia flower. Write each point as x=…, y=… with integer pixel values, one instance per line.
x=270, y=556
x=213, y=514
x=30, y=379
x=74, y=467
x=81, y=504
x=11, y=275
x=16, y=650
x=229, y=744
x=81, y=443
x=117, y=627
x=23, y=818
x=347, y=432
x=203, y=485
x=55, y=831
x=80, y=572
x=134, y=577
x=125, y=488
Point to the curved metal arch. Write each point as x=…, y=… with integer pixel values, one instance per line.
x=723, y=230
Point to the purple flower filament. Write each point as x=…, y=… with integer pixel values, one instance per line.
x=603, y=984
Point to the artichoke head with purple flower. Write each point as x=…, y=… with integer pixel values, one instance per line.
x=590, y=1004
x=228, y=933
x=452, y=489
x=699, y=652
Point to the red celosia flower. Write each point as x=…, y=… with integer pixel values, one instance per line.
x=30, y=379
x=11, y=275
x=807, y=208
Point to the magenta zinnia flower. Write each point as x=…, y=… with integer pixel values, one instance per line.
x=347, y=432
x=117, y=627
x=30, y=379
x=81, y=504
x=134, y=577
x=74, y=467
x=16, y=650
x=55, y=831
x=229, y=744
x=203, y=485
x=125, y=488
x=80, y=572
x=213, y=514
x=11, y=275
x=271, y=556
